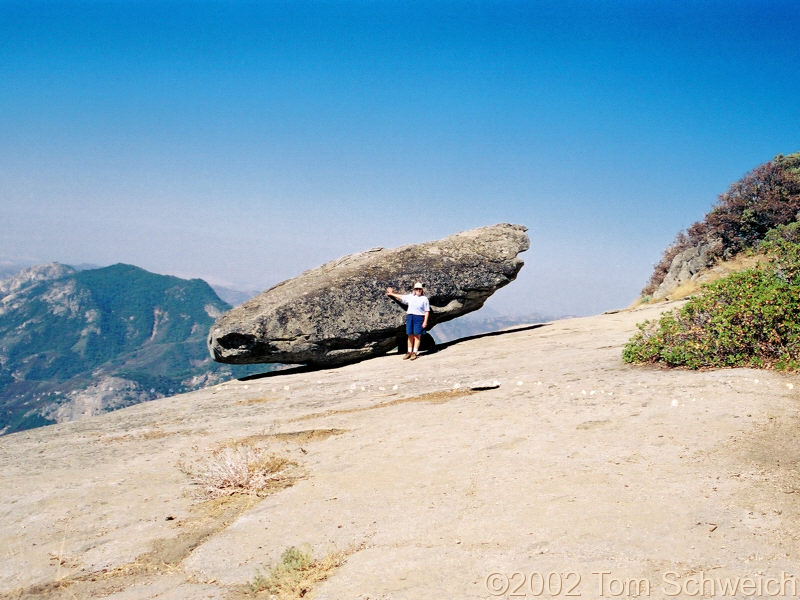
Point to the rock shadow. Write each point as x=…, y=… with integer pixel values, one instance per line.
x=477, y=336
x=436, y=347
x=284, y=371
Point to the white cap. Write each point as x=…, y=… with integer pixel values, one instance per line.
x=418, y=285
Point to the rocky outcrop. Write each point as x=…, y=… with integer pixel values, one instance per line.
x=32, y=275
x=688, y=264
x=339, y=313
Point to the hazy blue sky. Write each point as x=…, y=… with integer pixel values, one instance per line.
x=246, y=142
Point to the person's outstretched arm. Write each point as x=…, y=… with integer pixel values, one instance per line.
x=390, y=292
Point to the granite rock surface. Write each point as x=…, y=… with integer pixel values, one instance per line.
x=440, y=478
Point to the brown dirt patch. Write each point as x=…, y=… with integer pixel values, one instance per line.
x=260, y=400
x=439, y=397
x=300, y=437
x=154, y=434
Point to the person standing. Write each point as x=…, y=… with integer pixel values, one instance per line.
x=416, y=316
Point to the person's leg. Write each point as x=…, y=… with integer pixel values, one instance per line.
x=417, y=335
x=409, y=333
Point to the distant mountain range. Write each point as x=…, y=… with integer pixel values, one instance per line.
x=11, y=267
x=484, y=320
x=233, y=296
x=79, y=342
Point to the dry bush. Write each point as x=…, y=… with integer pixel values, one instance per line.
x=296, y=574
x=240, y=468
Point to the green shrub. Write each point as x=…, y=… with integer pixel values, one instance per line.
x=748, y=319
x=788, y=233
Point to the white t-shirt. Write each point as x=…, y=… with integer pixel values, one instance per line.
x=417, y=305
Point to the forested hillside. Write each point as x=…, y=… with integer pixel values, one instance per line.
x=75, y=343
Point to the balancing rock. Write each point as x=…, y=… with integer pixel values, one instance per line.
x=338, y=313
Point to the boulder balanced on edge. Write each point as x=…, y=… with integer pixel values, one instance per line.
x=338, y=313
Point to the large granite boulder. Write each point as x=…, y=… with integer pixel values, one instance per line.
x=339, y=313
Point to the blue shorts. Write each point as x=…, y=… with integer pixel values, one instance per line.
x=414, y=324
